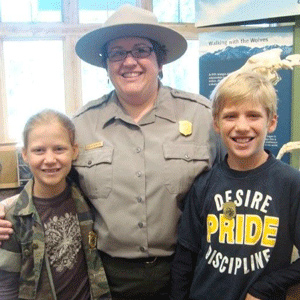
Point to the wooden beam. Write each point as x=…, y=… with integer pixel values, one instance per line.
x=43, y=30
x=3, y=103
x=11, y=31
x=295, y=126
x=72, y=77
x=146, y=4
x=70, y=12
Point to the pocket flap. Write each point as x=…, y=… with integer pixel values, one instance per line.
x=94, y=157
x=188, y=152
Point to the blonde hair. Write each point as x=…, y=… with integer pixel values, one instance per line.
x=47, y=116
x=237, y=88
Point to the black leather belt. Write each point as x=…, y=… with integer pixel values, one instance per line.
x=146, y=260
x=141, y=260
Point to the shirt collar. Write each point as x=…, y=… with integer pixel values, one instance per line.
x=165, y=104
x=25, y=206
x=163, y=108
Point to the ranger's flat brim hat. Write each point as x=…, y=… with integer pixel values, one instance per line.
x=130, y=21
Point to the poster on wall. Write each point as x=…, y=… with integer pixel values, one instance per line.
x=270, y=49
x=216, y=12
x=8, y=166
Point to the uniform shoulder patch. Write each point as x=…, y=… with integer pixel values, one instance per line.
x=191, y=97
x=92, y=104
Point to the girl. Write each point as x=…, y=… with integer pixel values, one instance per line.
x=52, y=253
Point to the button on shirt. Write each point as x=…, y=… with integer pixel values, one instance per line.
x=136, y=175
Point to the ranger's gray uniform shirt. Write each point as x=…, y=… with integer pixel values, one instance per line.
x=136, y=175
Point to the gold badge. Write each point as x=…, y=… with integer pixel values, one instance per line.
x=94, y=145
x=229, y=210
x=185, y=128
x=92, y=240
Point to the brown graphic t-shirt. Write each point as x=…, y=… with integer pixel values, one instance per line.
x=64, y=246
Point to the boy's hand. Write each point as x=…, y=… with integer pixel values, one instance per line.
x=249, y=297
x=5, y=226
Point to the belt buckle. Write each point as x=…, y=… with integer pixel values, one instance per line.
x=152, y=261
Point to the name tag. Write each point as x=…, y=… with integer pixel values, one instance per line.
x=94, y=145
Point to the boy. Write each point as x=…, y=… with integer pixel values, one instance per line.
x=242, y=218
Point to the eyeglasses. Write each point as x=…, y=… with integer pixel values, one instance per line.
x=139, y=52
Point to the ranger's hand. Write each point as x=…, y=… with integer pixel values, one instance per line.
x=5, y=226
x=249, y=297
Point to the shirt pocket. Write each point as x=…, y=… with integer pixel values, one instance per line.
x=183, y=162
x=95, y=172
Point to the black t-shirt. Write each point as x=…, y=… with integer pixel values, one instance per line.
x=245, y=248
